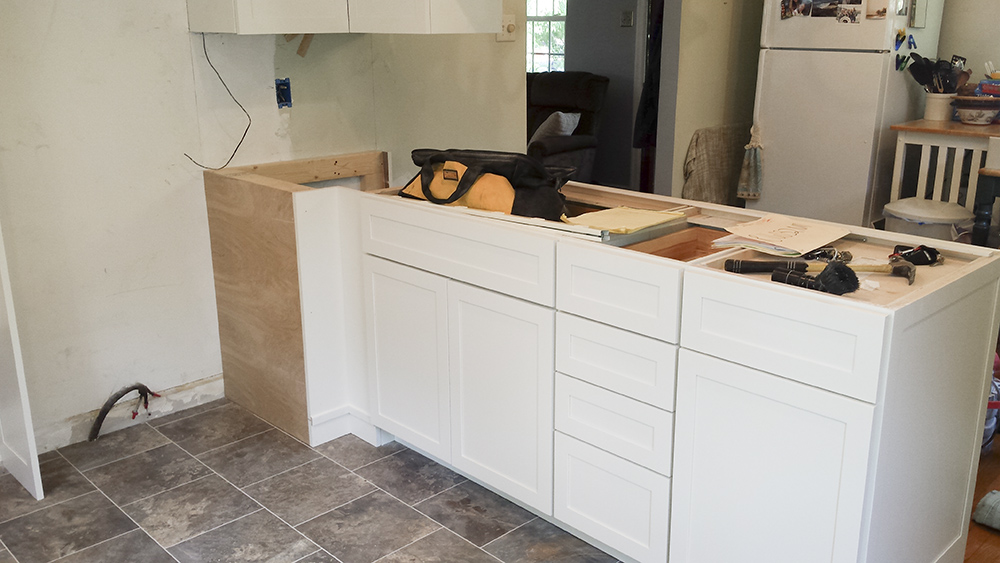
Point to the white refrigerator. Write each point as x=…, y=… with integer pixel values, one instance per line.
x=827, y=93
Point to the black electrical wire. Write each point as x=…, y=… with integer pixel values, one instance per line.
x=249, y=120
x=144, y=394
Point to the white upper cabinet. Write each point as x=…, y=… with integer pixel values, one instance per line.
x=262, y=17
x=425, y=16
x=247, y=17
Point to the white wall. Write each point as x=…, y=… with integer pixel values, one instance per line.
x=969, y=29
x=465, y=91
x=105, y=218
x=596, y=42
x=717, y=72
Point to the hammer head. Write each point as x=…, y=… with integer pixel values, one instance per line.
x=903, y=269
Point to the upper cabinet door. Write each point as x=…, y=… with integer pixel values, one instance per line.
x=263, y=17
x=425, y=16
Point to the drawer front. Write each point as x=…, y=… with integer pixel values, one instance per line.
x=504, y=258
x=785, y=331
x=626, y=289
x=635, y=431
x=614, y=501
x=622, y=361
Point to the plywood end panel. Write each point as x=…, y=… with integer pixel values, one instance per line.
x=254, y=259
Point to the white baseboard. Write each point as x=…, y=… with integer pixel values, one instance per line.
x=338, y=422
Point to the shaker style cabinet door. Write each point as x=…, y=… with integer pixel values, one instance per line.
x=501, y=392
x=267, y=17
x=407, y=328
x=766, y=469
x=425, y=16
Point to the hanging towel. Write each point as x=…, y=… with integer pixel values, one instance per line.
x=712, y=164
x=988, y=510
x=749, y=186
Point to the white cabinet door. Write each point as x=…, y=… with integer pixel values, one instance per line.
x=501, y=387
x=268, y=16
x=17, y=437
x=407, y=327
x=425, y=16
x=765, y=469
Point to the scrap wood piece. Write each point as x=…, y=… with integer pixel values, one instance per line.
x=304, y=45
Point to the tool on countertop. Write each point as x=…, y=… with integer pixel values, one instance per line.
x=836, y=278
x=829, y=254
x=917, y=255
x=897, y=267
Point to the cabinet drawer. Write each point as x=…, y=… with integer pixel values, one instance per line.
x=622, y=361
x=816, y=339
x=625, y=427
x=626, y=289
x=614, y=501
x=511, y=260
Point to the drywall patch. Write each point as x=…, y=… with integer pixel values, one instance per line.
x=75, y=428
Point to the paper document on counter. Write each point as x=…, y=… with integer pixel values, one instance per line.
x=780, y=235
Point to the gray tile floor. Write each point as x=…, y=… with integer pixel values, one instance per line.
x=215, y=483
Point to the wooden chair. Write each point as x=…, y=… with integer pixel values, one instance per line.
x=942, y=165
x=988, y=188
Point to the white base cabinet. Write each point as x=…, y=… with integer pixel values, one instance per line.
x=698, y=414
x=766, y=469
x=464, y=374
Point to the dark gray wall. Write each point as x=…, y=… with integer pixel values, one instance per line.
x=596, y=42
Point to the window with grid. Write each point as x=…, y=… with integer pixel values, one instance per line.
x=546, y=35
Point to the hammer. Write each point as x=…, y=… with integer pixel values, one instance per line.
x=897, y=267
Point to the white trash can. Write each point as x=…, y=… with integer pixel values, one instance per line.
x=935, y=219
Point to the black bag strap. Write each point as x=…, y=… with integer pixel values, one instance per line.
x=472, y=173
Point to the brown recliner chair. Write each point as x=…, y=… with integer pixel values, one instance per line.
x=568, y=92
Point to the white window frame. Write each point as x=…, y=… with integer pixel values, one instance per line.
x=531, y=53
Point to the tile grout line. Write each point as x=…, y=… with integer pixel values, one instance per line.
x=97, y=544
x=320, y=550
x=133, y=454
x=199, y=534
x=175, y=487
x=441, y=492
x=227, y=444
x=186, y=417
x=376, y=489
x=438, y=529
x=511, y=531
x=127, y=515
x=259, y=481
x=51, y=505
x=244, y=493
x=380, y=459
x=473, y=545
x=11, y=553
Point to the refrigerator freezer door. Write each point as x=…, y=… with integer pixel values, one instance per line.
x=818, y=113
x=826, y=32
